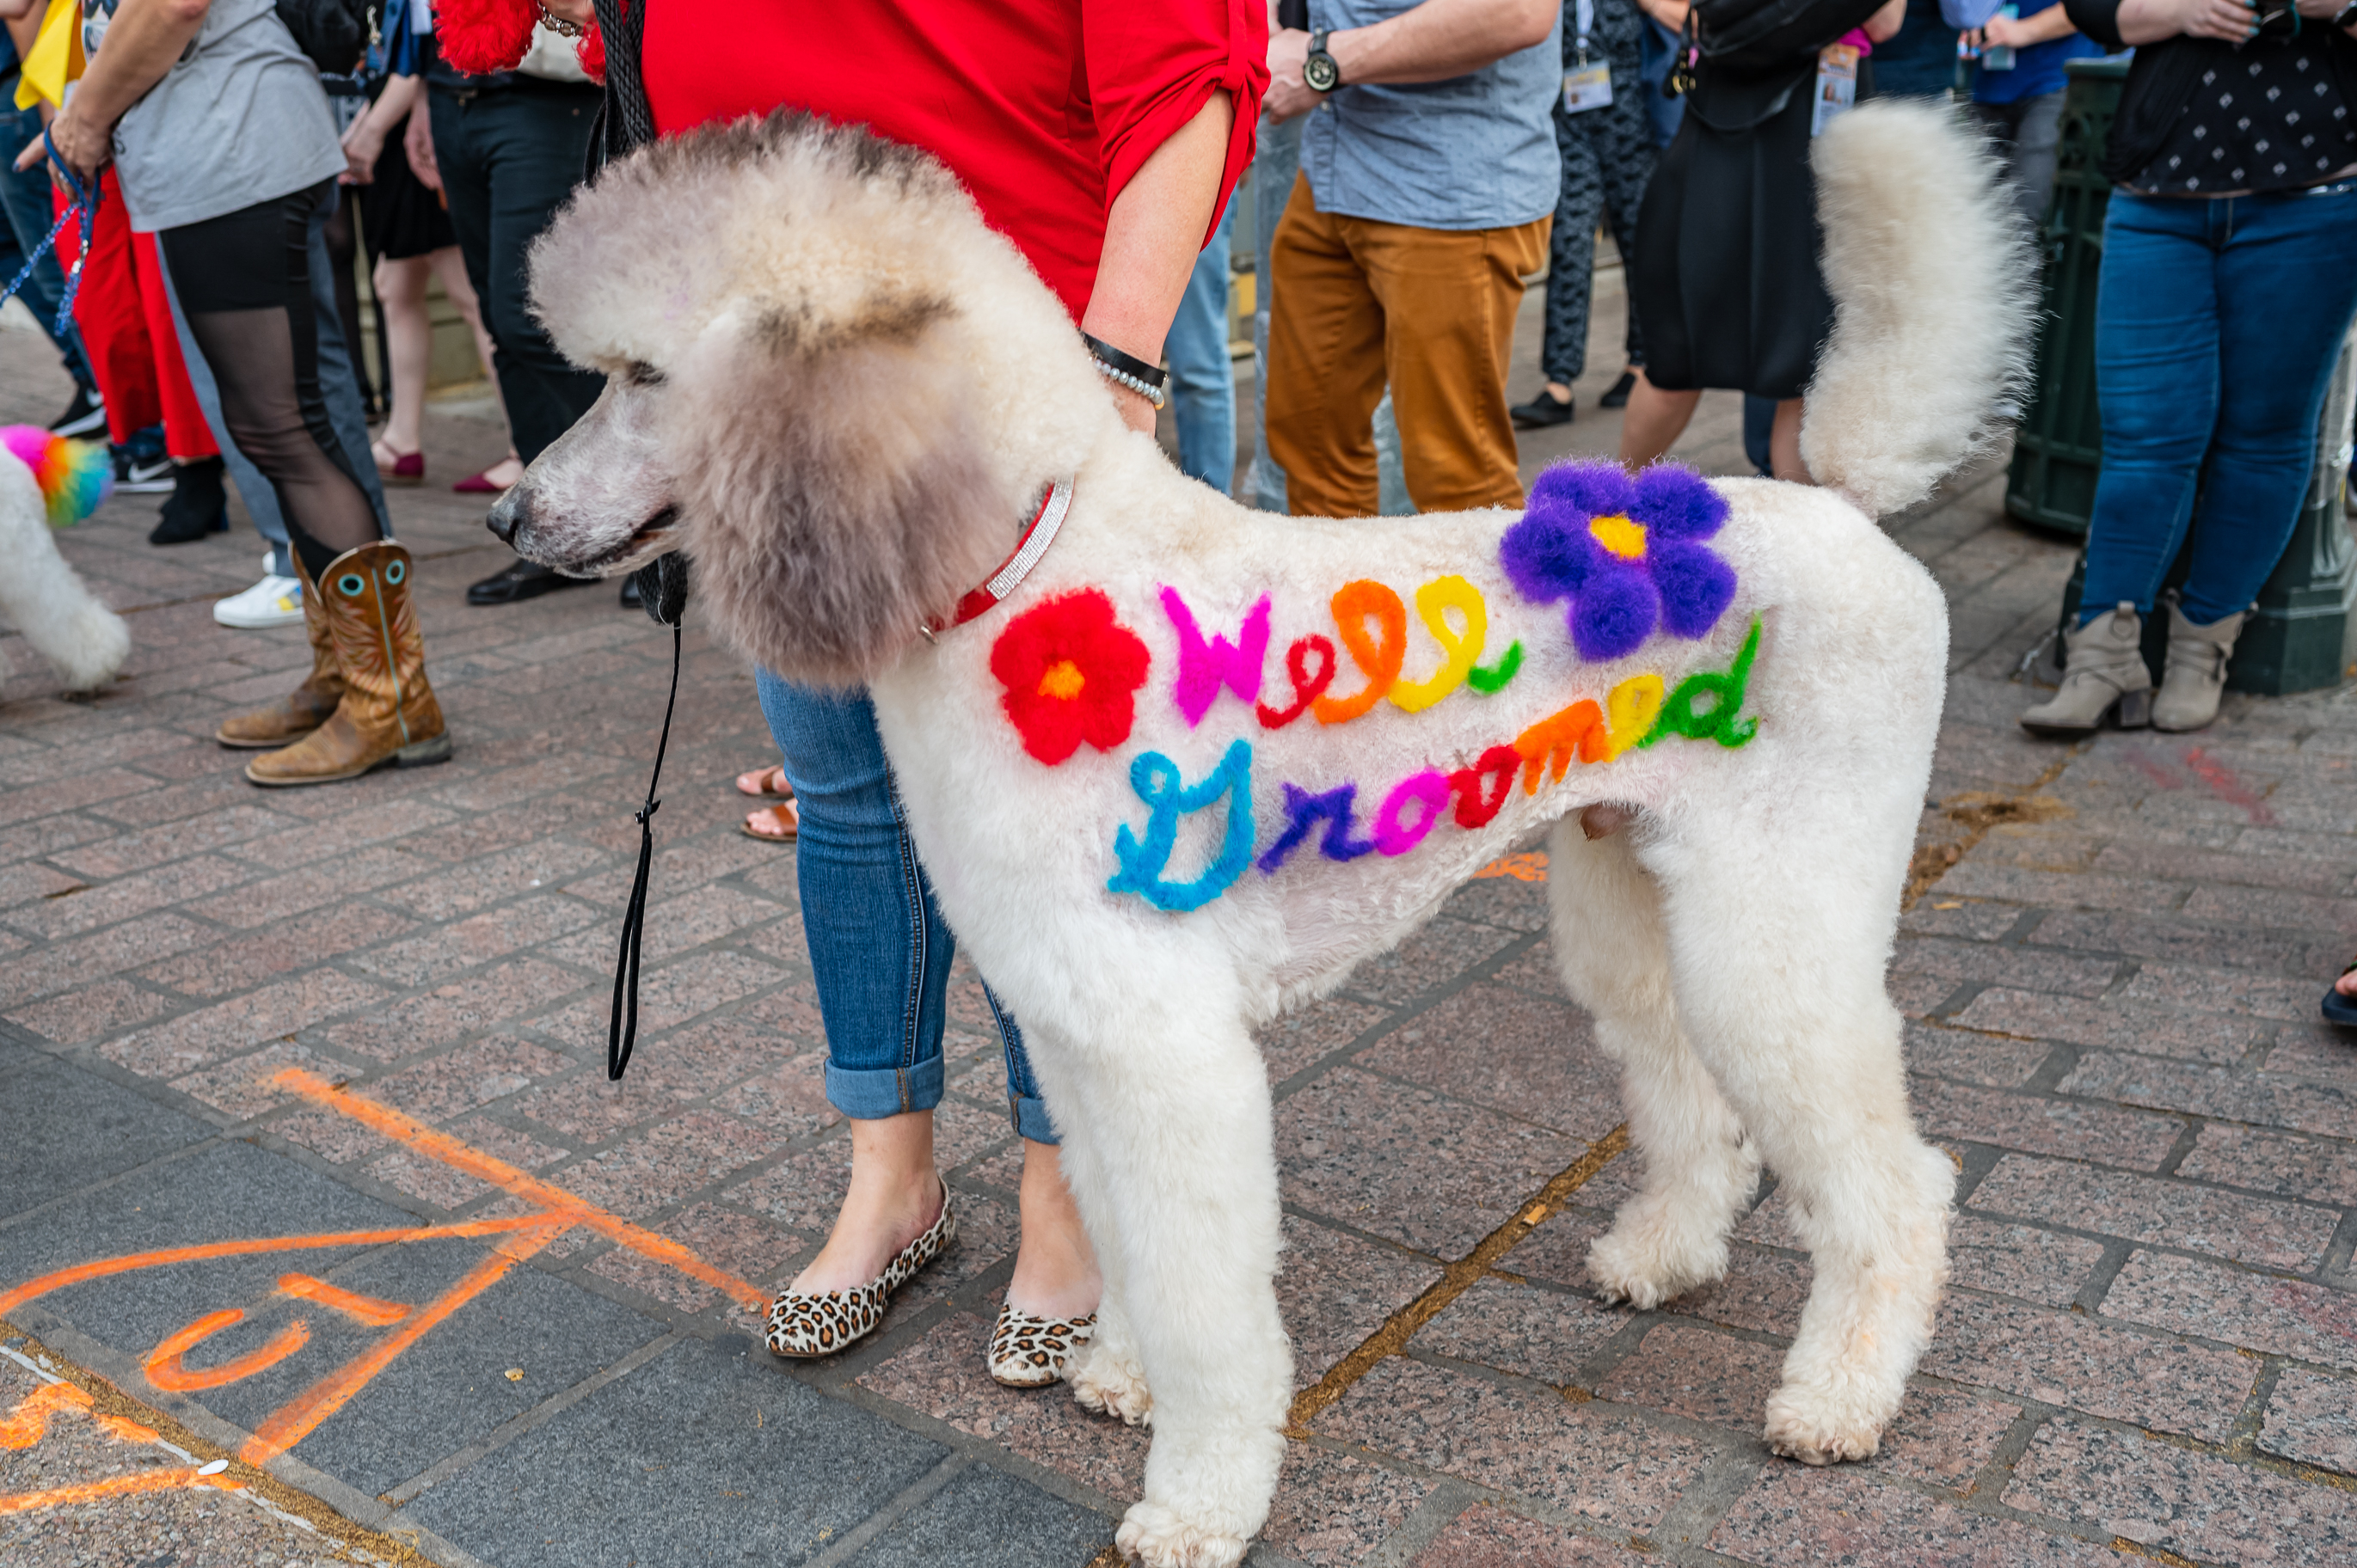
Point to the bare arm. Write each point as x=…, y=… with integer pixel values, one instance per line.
x=2150, y=21
x=1152, y=237
x=2019, y=33
x=2325, y=10
x=364, y=138
x=142, y=42
x=1884, y=24
x=1670, y=14
x=1437, y=40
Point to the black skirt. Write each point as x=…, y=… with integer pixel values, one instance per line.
x=1725, y=282
x=402, y=219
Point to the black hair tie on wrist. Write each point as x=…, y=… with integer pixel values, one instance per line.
x=1151, y=382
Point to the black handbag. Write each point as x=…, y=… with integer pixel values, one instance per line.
x=1768, y=34
x=334, y=34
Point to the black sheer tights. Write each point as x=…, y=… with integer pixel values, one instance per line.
x=244, y=281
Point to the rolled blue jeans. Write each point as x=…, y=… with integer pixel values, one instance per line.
x=1202, y=381
x=879, y=948
x=2217, y=326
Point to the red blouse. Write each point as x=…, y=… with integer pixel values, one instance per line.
x=1044, y=108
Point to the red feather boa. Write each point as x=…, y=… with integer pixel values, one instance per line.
x=479, y=37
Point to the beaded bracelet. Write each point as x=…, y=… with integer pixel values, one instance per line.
x=1151, y=382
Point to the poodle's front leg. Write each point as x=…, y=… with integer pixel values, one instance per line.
x=1176, y=1177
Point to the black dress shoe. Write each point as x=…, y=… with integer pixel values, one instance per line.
x=1619, y=396
x=1541, y=411
x=197, y=504
x=525, y=580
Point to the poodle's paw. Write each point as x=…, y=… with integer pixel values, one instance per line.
x=1644, y=1259
x=1110, y=1383
x=97, y=645
x=1158, y=1538
x=1818, y=1427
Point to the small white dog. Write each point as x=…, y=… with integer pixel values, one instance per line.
x=44, y=480
x=1189, y=764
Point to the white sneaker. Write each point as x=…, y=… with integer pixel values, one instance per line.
x=273, y=601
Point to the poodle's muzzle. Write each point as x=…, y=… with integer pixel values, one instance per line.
x=598, y=503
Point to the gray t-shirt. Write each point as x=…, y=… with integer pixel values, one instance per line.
x=1473, y=152
x=241, y=119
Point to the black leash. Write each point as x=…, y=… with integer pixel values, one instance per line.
x=662, y=589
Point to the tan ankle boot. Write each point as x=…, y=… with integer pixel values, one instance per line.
x=2105, y=676
x=2196, y=674
x=388, y=714
x=306, y=708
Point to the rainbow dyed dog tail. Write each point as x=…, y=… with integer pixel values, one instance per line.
x=74, y=476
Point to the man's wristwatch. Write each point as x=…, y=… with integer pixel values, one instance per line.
x=1318, y=73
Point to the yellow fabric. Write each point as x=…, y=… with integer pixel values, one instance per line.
x=55, y=59
x=1632, y=707
x=1459, y=651
x=1622, y=536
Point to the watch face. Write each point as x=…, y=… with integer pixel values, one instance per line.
x=1321, y=73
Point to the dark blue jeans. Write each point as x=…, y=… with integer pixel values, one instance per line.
x=879, y=948
x=25, y=213
x=2217, y=326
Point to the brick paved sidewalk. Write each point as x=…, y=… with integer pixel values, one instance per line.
x=377, y=1011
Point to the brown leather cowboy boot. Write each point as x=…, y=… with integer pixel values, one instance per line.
x=388, y=715
x=306, y=708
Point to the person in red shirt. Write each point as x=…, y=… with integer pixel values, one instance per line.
x=1103, y=138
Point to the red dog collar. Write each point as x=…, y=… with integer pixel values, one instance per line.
x=1042, y=533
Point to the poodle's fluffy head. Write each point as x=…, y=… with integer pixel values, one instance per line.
x=826, y=379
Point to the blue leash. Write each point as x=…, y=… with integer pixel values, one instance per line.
x=85, y=206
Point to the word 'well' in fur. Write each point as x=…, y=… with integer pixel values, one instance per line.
x=841, y=392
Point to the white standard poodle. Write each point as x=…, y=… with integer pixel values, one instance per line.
x=1175, y=766
x=46, y=480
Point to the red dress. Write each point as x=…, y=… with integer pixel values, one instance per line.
x=1044, y=108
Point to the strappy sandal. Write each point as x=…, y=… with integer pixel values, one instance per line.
x=2340, y=1009
x=785, y=813
x=766, y=784
x=1027, y=1352
x=810, y=1324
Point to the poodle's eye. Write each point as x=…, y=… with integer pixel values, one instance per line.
x=639, y=374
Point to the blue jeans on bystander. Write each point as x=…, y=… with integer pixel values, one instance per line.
x=2217, y=326
x=879, y=948
x=1202, y=381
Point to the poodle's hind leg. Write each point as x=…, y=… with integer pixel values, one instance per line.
x=1169, y=1143
x=45, y=599
x=1778, y=961
x=1700, y=1169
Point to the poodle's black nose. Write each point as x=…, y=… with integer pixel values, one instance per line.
x=513, y=509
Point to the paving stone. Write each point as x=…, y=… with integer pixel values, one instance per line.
x=539, y=917
x=1968, y=1057
x=69, y=1128
x=753, y=1249
x=90, y=1012
x=2153, y=1030
x=669, y=1161
x=1793, y=1516
x=1609, y=1467
x=1534, y=1060
x=1335, y=1290
x=1405, y=1163
x=1305, y=1036
x=1333, y=1508
x=1697, y=1374
x=2043, y=1266
x=2059, y=1358
x=2312, y=1418
x=601, y=1481
x=2023, y=968
x=2228, y=1093
x=226, y=964
x=2221, y=991
x=450, y=1012
x=274, y=1011
x=469, y=1075
x=2158, y=1494
x=2144, y=1208
x=1438, y=952
x=2042, y=1125
x=1487, y=1537
x=2282, y=1163
x=1520, y=1329
x=2189, y=1295
x=986, y=1519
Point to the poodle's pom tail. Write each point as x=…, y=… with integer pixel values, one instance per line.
x=1934, y=288
x=74, y=476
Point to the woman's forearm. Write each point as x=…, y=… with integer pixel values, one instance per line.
x=392, y=105
x=142, y=42
x=1153, y=234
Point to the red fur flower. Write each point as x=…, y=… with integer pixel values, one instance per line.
x=1071, y=672
x=480, y=37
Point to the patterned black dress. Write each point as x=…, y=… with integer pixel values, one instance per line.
x=1608, y=156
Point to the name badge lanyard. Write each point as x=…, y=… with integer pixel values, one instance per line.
x=1587, y=86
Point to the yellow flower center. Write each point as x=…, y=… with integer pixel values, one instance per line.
x=1621, y=536
x=1062, y=680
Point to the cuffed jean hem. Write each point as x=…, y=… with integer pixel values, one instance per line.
x=1030, y=1113
x=870, y=1094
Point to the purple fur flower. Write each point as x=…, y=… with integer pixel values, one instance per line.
x=1627, y=553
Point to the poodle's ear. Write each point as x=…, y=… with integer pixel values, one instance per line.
x=834, y=484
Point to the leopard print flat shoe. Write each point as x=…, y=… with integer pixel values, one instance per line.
x=806, y=1324
x=1027, y=1352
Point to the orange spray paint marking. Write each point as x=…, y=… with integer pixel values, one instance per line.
x=165, y=1369
x=114, y=1486
x=29, y=1422
x=1531, y=867
x=365, y=1309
